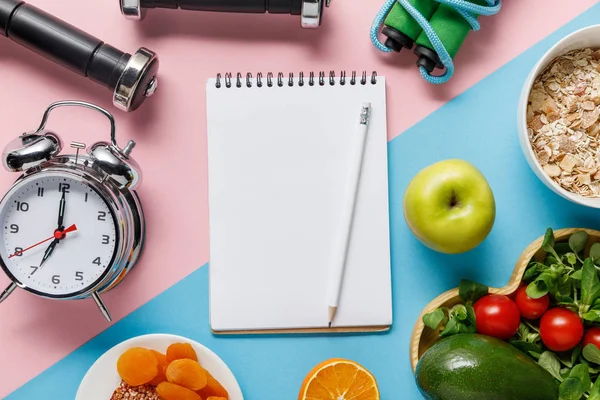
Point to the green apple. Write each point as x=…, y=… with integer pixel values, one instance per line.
x=449, y=206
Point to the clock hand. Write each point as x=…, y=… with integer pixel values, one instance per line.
x=61, y=211
x=58, y=234
x=49, y=251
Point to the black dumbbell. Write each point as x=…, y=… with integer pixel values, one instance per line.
x=310, y=11
x=132, y=78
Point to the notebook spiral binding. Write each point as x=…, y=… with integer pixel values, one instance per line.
x=322, y=79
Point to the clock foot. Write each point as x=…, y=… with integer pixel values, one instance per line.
x=101, y=306
x=8, y=291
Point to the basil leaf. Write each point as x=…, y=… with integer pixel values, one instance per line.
x=530, y=273
x=577, y=241
x=590, y=285
x=595, y=391
x=434, y=319
x=549, y=361
x=544, y=283
x=548, y=242
x=451, y=328
x=576, y=275
x=595, y=253
x=576, y=384
x=575, y=354
x=471, y=315
x=571, y=258
x=592, y=315
x=563, y=300
x=459, y=312
x=591, y=353
x=470, y=291
x=570, y=358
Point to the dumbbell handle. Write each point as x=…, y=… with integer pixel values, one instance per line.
x=239, y=6
x=310, y=11
x=68, y=46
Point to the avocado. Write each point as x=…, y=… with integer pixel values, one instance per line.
x=477, y=367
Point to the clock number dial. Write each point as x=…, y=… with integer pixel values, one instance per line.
x=64, y=187
x=29, y=213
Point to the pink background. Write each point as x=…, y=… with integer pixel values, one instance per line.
x=170, y=128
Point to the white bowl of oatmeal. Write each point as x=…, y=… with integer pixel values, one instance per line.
x=559, y=118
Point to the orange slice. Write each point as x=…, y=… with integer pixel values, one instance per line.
x=339, y=379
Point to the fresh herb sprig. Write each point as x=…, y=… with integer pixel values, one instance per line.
x=461, y=317
x=571, y=280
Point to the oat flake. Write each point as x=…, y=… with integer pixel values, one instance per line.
x=563, y=120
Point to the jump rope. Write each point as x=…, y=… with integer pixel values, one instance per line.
x=437, y=27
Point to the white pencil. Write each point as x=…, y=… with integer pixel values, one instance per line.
x=340, y=254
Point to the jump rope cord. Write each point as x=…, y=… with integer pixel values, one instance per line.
x=467, y=10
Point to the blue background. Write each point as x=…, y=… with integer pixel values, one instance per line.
x=478, y=126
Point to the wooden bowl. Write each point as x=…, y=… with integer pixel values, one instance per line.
x=423, y=337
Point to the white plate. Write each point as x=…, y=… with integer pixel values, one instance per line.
x=102, y=378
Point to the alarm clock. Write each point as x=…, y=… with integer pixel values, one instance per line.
x=73, y=224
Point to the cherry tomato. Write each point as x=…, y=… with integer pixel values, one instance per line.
x=592, y=336
x=531, y=308
x=561, y=329
x=497, y=315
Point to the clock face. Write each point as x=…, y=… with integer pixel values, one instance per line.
x=50, y=255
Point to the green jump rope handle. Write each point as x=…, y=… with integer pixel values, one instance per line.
x=401, y=28
x=451, y=28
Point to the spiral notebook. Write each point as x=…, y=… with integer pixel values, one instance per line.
x=278, y=155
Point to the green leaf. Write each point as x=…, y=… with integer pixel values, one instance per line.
x=562, y=248
x=575, y=354
x=433, y=319
x=470, y=291
x=537, y=289
x=526, y=347
x=577, y=241
x=471, y=315
x=576, y=275
x=595, y=253
x=590, y=285
x=592, y=315
x=451, y=328
x=530, y=273
x=550, y=362
x=459, y=312
x=571, y=258
x=595, y=391
x=576, y=384
x=591, y=353
x=548, y=243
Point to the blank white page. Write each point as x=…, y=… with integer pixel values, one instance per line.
x=278, y=160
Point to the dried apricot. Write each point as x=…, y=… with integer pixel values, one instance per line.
x=213, y=389
x=171, y=391
x=178, y=351
x=187, y=373
x=162, y=367
x=137, y=366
